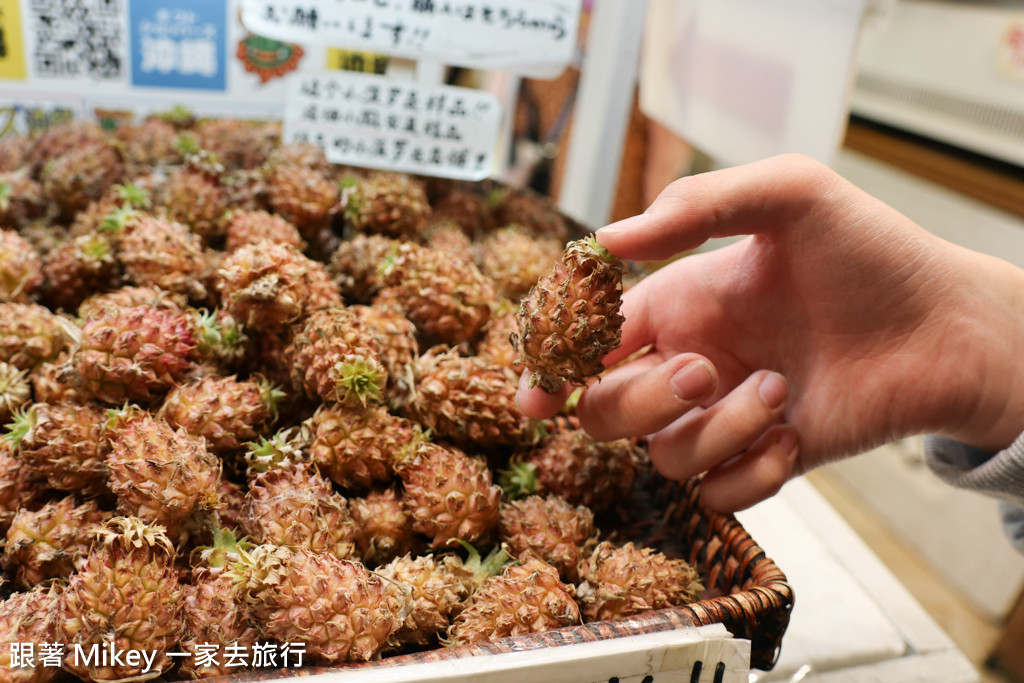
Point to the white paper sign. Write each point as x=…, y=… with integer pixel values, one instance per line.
x=529, y=37
x=378, y=122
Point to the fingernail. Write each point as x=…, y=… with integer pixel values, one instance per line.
x=691, y=382
x=787, y=442
x=773, y=390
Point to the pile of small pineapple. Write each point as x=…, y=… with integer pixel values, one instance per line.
x=251, y=399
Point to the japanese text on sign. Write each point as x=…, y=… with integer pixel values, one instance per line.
x=368, y=120
x=532, y=37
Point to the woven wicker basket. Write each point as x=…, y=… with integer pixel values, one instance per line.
x=745, y=590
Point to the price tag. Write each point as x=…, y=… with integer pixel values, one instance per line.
x=369, y=120
x=529, y=37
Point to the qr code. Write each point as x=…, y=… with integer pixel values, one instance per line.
x=77, y=38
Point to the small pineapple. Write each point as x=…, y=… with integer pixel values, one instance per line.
x=338, y=609
x=21, y=199
x=30, y=620
x=225, y=411
x=80, y=267
x=448, y=237
x=525, y=598
x=21, y=268
x=383, y=530
x=333, y=357
x=195, y=199
x=60, y=139
x=515, y=259
x=356, y=448
x=386, y=203
x=570, y=319
x=52, y=542
x=445, y=296
x=356, y=265
x=570, y=464
x=127, y=596
x=302, y=196
x=62, y=444
x=433, y=588
x=448, y=494
x=550, y=528
x=15, y=391
x=159, y=252
x=18, y=487
x=535, y=212
x=294, y=505
x=30, y=334
x=214, y=619
x=495, y=345
x=470, y=401
x=467, y=210
x=160, y=475
x=268, y=286
x=151, y=143
x=81, y=175
x=131, y=296
x=397, y=347
x=51, y=383
x=616, y=581
x=135, y=354
x=251, y=227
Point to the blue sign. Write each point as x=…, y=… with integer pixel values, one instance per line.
x=179, y=43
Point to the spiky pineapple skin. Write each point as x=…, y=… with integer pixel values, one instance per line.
x=525, y=598
x=127, y=595
x=163, y=253
x=470, y=401
x=446, y=297
x=21, y=268
x=356, y=265
x=64, y=445
x=82, y=266
x=395, y=337
x=386, y=203
x=21, y=198
x=570, y=464
x=251, y=227
x=302, y=196
x=225, y=411
x=131, y=296
x=29, y=334
x=434, y=589
x=50, y=543
x=334, y=358
x=192, y=199
x=336, y=608
x=213, y=616
x=18, y=487
x=356, y=448
x=570, y=319
x=295, y=506
x=15, y=391
x=269, y=286
x=383, y=529
x=81, y=175
x=616, y=581
x=559, y=533
x=449, y=495
x=515, y=259
x=29, y=618
x=135, y=354
x=159, y=474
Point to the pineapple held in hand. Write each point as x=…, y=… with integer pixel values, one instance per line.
x=570, y=319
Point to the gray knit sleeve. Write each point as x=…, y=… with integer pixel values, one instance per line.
x=1000, y=475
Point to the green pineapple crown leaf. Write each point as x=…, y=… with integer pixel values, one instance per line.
x=179, y=116
x=349, y=195
x=187, y=144
x=6, y=190
x=225, y=549
x=133, y=196
x=118, y=417
x=519, y=480
x=590, y=243
x=118, y=219
x=485, y=567
x=96, y=247
x=270, y=394
x=357, y=378
x=22, y=423
x=272, y=452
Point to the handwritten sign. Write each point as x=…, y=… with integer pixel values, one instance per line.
x=530, y=37
x=369, y=120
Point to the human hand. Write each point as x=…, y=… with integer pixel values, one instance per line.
x=838, y=325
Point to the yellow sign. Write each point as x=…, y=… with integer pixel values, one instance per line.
x=12, y=52
x=353, y=60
